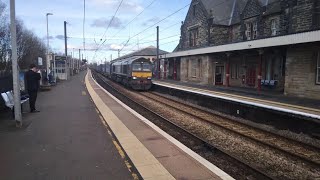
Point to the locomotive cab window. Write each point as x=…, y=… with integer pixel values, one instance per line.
x=146, y=67
x=136, y=67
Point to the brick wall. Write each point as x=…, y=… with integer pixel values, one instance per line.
x=301, y=72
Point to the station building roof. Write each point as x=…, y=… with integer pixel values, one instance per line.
x=299, y=38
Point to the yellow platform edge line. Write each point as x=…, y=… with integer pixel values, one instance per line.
x=266, y=102
x=115, y=125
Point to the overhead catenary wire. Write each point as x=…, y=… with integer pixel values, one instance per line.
x=133, y=18
x=125, y=43
x=156, y=23
x=169, y=42
x=127, y=23
x=164, y=29
x=108, y=28
x=112, y=19
x=160, y=39
x=218, y=4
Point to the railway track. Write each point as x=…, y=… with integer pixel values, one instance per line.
x=227, y=161
x=305, y=157
x=304, y=152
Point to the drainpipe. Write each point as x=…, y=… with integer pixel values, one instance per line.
x=174, y=69
x=165, y=69
x=228, y=70
x=260, y=69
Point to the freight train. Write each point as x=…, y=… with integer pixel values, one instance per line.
x=134, y=72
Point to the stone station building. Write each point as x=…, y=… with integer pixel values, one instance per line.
x=268, y=45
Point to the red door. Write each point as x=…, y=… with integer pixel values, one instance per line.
x=251, y=76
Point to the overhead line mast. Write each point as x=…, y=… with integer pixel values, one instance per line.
x=84, y=21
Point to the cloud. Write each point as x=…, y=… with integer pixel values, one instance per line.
x=60, y=37
x=103, y=23
x=127, y=5
x=132, y=6
x=93, y=47
x=115, y=47
x=151, y=21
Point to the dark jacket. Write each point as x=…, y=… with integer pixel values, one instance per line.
x=32, y=80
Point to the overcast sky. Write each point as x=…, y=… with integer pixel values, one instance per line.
x=98, y=16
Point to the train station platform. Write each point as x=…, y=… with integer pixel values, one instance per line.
x=273, y=101
x=82, y=132
x=67, y=139
x=154, y=153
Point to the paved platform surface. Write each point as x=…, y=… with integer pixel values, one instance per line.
x=155, y=154
x=66, y=140
x=265, y=99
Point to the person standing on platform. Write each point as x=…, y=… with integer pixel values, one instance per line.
x=32, y=82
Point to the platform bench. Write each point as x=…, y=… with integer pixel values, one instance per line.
x=270, y=83
x=9, y=100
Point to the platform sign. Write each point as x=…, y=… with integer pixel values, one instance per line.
x=57, y=58
x=21, y=81
x=40, y=62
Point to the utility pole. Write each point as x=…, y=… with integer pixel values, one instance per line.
x=158, y=60
x=79, y=59
x=138, y=43
x=73, y=64
x=84, y=21
x=47, y=57
x=15, y=71
x=118, y=53
x=105, y=65
x=65, y=47
x=110, y=57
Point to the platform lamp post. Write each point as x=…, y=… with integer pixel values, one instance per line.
x=15, y=70
x=48, y=59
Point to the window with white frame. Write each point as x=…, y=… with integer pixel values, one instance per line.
x=273, y=27
x=318, y=69
x=251, y=30
x=248, y=31
x=255, y=30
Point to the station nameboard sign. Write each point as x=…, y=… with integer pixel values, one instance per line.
x=57, y=58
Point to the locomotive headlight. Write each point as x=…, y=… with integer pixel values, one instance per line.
x=134, y=77
x=149, y=78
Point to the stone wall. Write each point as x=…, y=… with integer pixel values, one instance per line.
x=291, y=17
x=184, y=67
x=266, y=25
x=302, y=16
x=197, y=21
x=219, y=35
x=201, y=75
x=236, y=33
x=300, y=78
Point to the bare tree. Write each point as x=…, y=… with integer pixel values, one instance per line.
x=29, y=46
x=4, y=38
